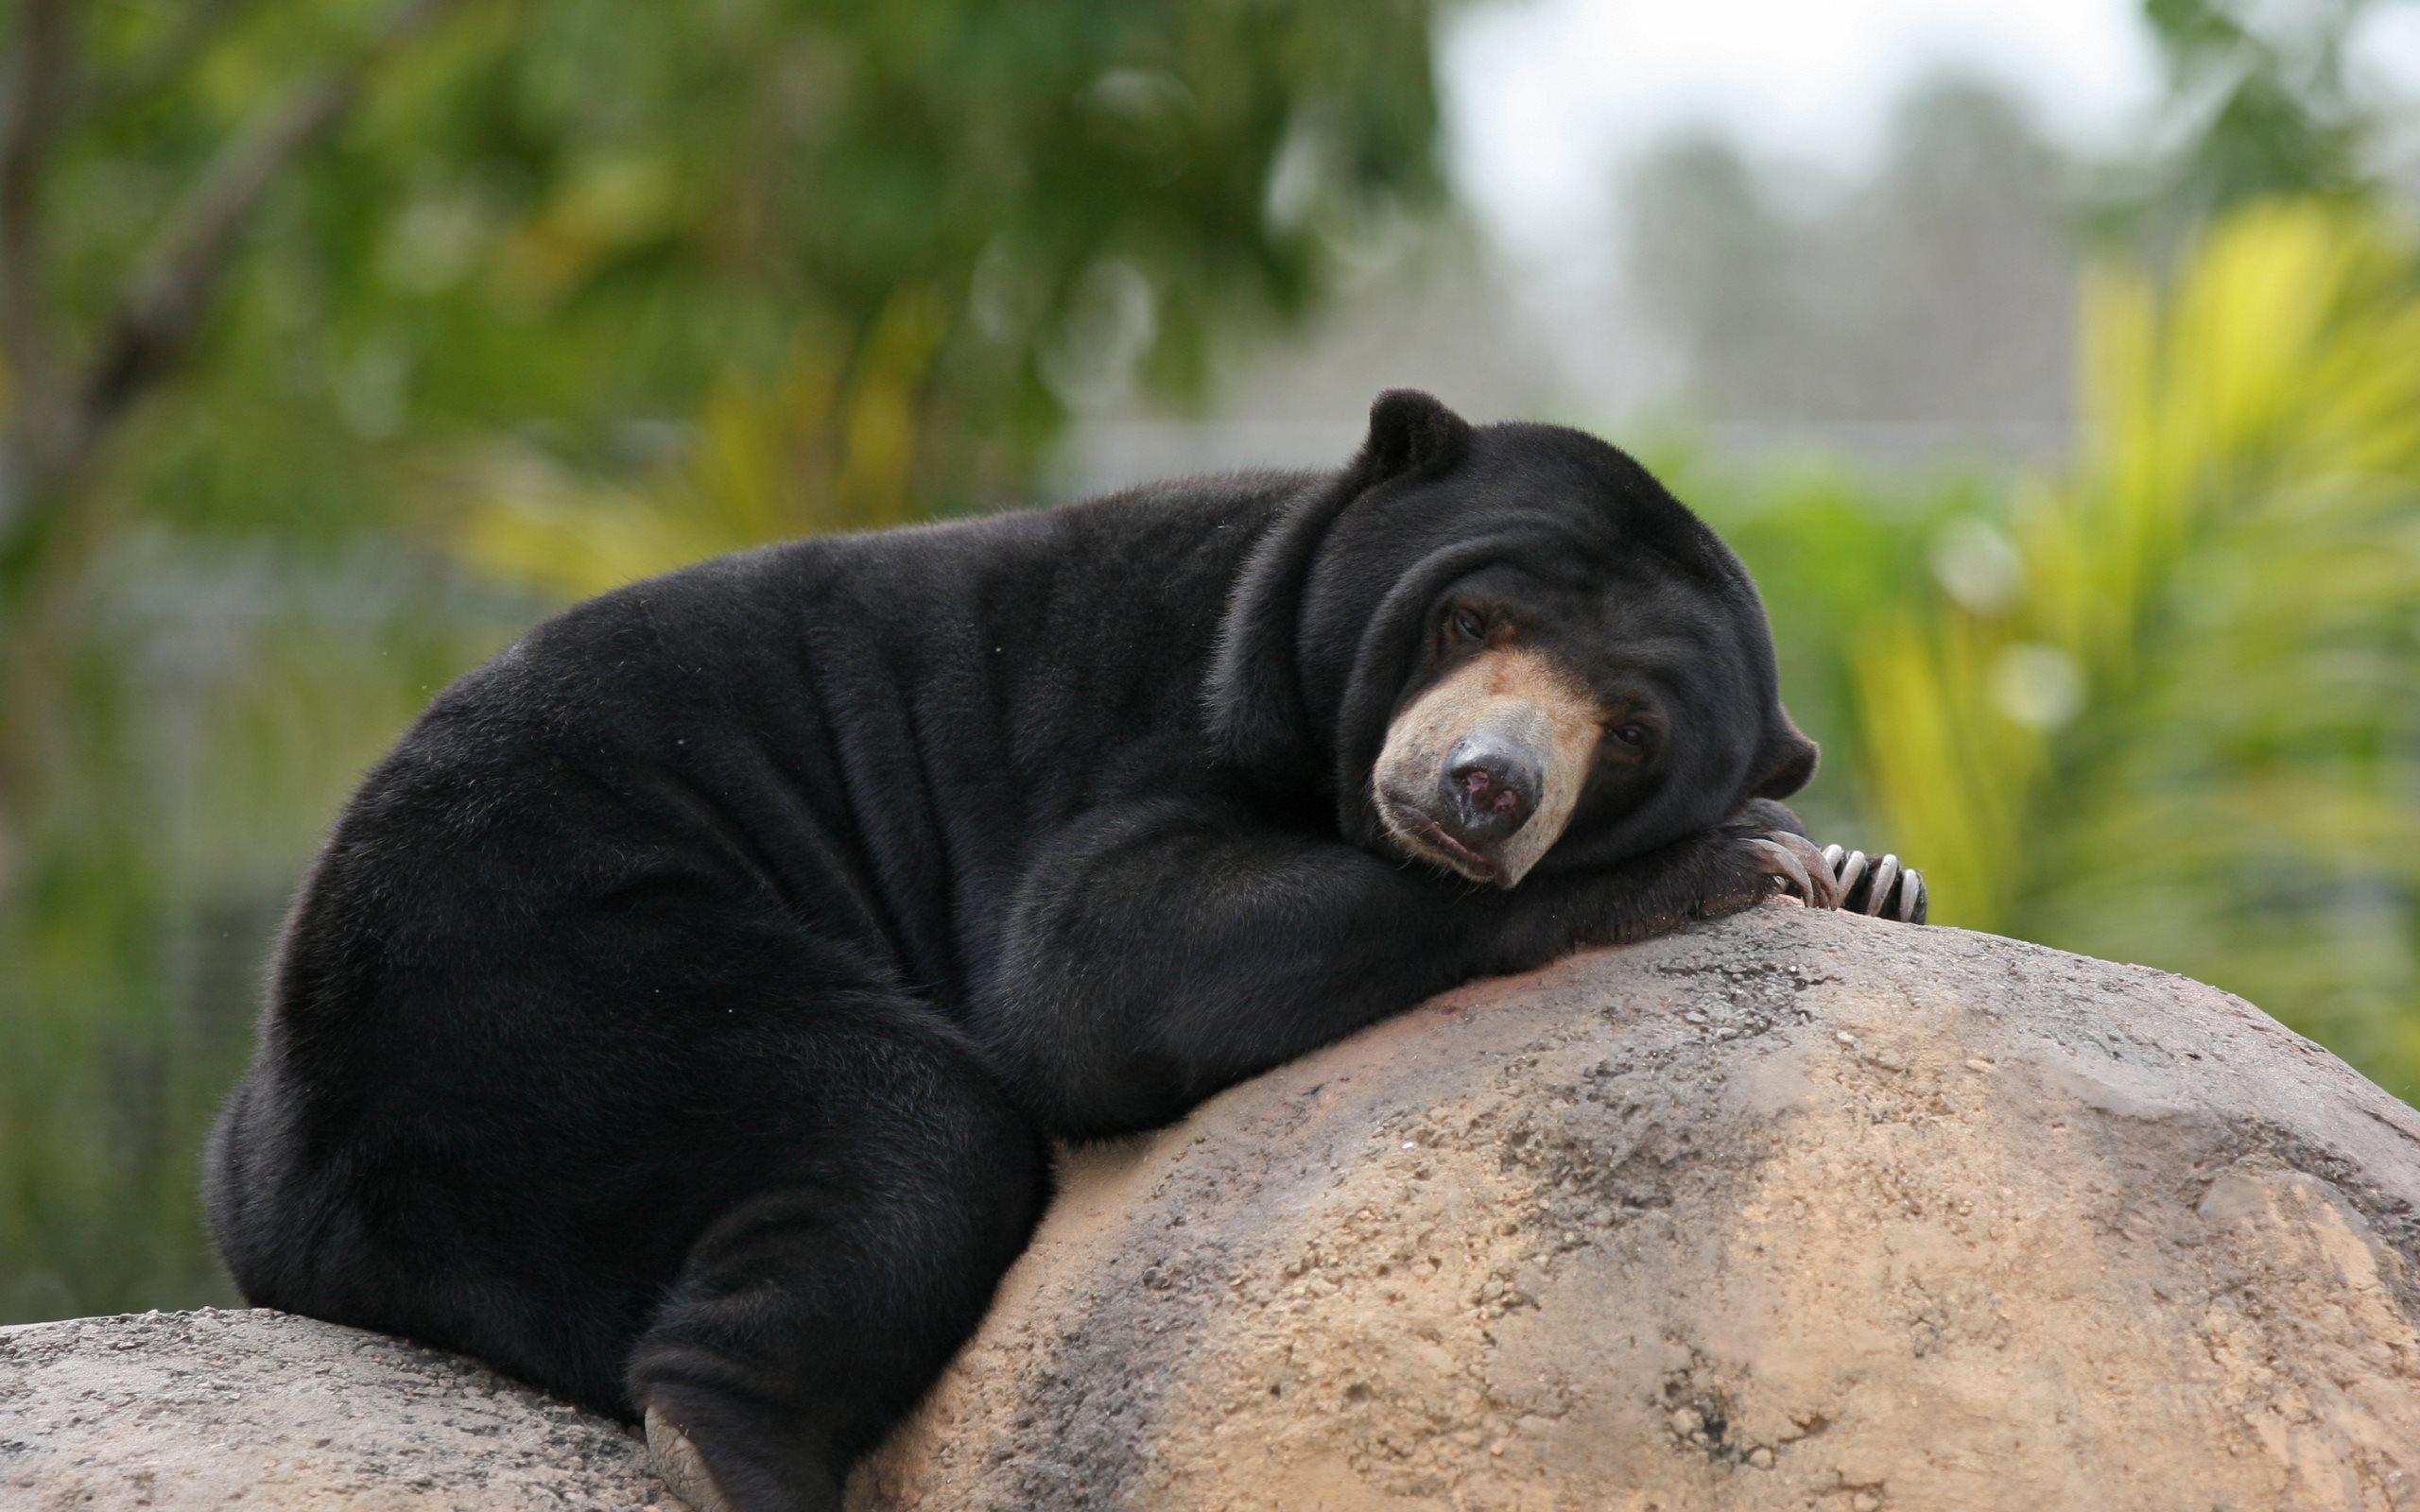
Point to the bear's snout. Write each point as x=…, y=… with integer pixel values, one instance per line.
x=1489, y=788
x=1480, y=772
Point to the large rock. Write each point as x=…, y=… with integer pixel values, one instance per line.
x=1798, y=1212
x=261, y=1411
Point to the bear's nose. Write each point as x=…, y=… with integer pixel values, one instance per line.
x=1491, y=787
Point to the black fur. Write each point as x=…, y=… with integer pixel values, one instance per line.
x=680, y=1015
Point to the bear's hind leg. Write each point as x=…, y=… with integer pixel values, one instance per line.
x=812, y=1314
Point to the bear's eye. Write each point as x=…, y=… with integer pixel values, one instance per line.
x=1632, y=735
x=1466, y=623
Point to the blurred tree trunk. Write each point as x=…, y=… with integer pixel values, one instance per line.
x=63, y=406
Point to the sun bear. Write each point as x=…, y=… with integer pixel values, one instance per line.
x=680, y=1016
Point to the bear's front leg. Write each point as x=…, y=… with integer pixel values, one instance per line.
x=1708, y=875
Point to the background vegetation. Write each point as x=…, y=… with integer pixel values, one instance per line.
x=337, y=341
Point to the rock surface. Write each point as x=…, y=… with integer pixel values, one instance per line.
x=259, y=1410
x=1798, y=1212
x=1801, y=1211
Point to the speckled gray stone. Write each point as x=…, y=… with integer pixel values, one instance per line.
x=1799, y=1211
x=264, y=1411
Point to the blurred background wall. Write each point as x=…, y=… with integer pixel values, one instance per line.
x=2056, y=369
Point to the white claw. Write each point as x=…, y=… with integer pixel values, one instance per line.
x=1851, y=869
x=1912, y=896
x=1832, y=854
x=1804, y=887
x=1886, y=872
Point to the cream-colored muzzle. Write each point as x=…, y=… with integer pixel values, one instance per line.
x=1513, y=697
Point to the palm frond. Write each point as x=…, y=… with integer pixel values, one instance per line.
x=2191, y=735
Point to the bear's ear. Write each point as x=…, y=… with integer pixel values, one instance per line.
x=1783, y=763
x=1410, y=432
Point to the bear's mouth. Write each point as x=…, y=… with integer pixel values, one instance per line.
x=1426, y=838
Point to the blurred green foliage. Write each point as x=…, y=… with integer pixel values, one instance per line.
x=582, y=288
x=2260, y=103
x=568, y=292
x=2163, y=707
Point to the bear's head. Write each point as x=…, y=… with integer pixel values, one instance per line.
x=1498, y=648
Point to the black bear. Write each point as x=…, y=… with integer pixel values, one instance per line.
x=680, y=1018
